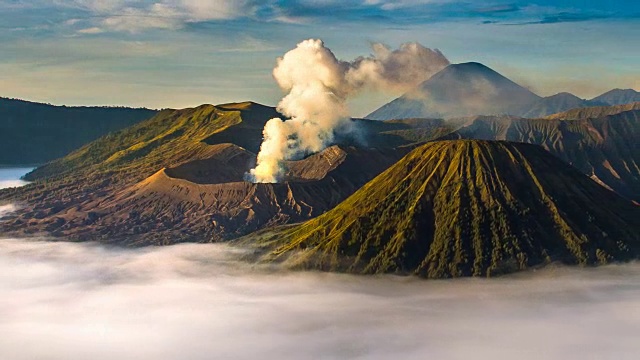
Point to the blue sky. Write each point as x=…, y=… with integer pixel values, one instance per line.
x=179, y=53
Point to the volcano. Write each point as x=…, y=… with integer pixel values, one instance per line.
x=459, y=90
x=179, y=176
x=464, y=208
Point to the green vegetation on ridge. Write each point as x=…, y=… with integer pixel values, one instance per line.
x=172, y=136
x=116, y=188
x=464, y=208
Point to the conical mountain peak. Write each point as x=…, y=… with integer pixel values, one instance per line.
x=466, y=208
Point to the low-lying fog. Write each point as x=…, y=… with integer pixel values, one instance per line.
x=84, y=301
x=10, y=177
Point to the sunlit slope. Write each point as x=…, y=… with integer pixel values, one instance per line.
x=78, y=185
x=172, y=136
x=465, y=208
x=179, y=177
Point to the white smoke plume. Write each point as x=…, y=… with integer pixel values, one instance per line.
x=318, y=86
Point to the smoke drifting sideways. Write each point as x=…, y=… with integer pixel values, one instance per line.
x=318, y=86
x=200, y=301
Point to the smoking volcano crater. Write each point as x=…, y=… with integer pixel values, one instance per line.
x=316, y=101
x=208, y=199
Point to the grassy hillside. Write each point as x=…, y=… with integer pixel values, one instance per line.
x=32, y=133
x=465, y=208
x=179, y=177
x=170, y=136
x=179, y=173
x=124, y=158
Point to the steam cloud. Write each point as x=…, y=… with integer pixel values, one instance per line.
x=197, y=301
x=318, y=86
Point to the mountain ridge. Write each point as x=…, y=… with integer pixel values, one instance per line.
x=604, y=148
x=468, y=89
x=619, y=96
x=463, y=208
x=556, y=103
x=93, y=192
x=594, y=112
x=35, y=133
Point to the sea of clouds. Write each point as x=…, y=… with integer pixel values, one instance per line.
x=69, y=301
x=10, y=177
x=77, y=301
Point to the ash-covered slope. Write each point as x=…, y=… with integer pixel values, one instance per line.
x=164, y=174
x=459, y=90
x=34, y=133
x=207, y=200
x=464, y=208
x=180, y=175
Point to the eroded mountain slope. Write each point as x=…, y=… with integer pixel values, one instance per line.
x=464, y=208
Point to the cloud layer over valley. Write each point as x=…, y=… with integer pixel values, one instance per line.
x=79, y=301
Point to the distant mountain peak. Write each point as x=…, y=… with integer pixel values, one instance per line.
x=620, y=90
x=564, y=94
x=553, y=104
x=618, y=97
x=470, y=66
x=470, y=69
x=458, y=90
x=593, y=112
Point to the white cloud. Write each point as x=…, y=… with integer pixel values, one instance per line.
x=135, y=16
x=400, y=4
x=158, y=16
x=91, y=30
x=198, y=10
x=11, y=183
x=171, y=14
x=83, y=301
